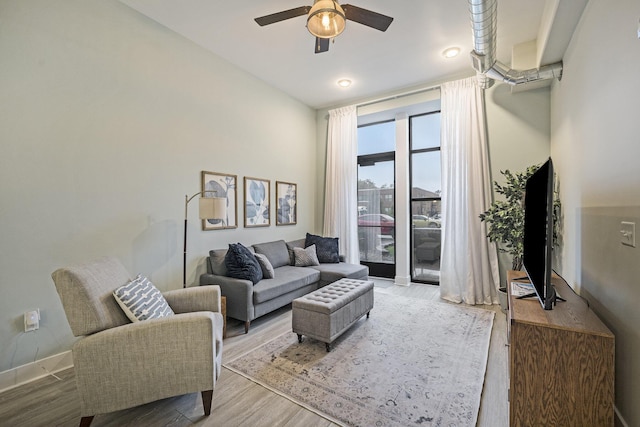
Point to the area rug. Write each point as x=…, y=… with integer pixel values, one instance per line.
x=413, y=362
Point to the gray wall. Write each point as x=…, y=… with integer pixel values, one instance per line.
x=106, y=121
x=594, y=143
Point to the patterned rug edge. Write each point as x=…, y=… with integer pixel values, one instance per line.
x=278, y=392
x=486, y=365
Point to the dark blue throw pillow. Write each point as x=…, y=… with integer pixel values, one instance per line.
x=242, y=264
x=326, y=248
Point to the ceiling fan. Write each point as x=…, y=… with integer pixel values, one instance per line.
x=326, y=19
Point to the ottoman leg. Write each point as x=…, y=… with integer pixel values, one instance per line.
x=328, y=346
x=368, y=312
x=299, y=338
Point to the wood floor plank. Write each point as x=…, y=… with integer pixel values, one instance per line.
x=237, y=401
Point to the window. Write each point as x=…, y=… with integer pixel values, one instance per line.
x=426, y=188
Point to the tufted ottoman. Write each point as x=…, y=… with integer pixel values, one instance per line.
x=326, y=313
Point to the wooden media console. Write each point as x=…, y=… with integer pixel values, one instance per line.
x=561, y=362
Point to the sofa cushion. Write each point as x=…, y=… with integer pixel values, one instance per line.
x=241, y=264
x=267, y=268
x=330, y=273
x=294, y=244
x=276, y=252
x=216, y=261
x=305, y=257
x=141, y=300
x=287, y=279
x=326, y=248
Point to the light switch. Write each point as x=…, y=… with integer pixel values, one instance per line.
x=628, y=233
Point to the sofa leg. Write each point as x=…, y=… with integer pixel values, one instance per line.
x=86, y=421
x=207, y=398
x=246, y=326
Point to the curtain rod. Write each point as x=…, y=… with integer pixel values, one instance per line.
x=401, y=95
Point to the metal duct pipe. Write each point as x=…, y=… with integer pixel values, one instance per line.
x=514, y=77
x=484, y=22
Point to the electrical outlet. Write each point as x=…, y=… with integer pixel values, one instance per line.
x=32, y=320
x=628, y=233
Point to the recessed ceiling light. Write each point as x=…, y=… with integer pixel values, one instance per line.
x=344, y=82
x=451, y=52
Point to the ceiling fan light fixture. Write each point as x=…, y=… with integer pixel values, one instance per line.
x=326, y=19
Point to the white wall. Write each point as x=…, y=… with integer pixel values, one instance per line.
x=106, y=121
x=519, y=130
x=594, y=143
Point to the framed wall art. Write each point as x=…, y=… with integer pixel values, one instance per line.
x=257, y=202
x=286, y=196
x=223, y=185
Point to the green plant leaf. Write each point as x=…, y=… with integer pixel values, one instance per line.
x=505, y=218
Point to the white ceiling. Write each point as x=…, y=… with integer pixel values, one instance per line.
x=407, y=55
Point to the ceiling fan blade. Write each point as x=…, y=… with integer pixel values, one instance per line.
x=281, y=16
x=367, y=17
x=322, y=45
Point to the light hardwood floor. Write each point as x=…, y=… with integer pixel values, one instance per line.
x=236, y=400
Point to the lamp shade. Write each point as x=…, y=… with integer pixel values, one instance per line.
x=213, y=207
x=326, y=19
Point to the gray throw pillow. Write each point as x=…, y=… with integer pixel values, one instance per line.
x=305, y=257
x=267, y=269
x=326, y=248
x=294, y=244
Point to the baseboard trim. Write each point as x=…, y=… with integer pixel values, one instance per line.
x=35, y=370
x=403, y=280
x=621, y=421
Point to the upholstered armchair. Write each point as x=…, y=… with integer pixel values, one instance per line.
x=119, y=364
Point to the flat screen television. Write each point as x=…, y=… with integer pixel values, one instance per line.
x=538, y=233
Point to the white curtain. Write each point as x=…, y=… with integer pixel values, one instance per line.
x=469, y=269
x=341, y=189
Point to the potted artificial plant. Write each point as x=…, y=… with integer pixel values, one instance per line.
x=505, y=218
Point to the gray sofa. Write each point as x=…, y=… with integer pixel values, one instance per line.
x=247, y=301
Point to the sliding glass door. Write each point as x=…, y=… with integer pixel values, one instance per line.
x=376, y=198
x=421, y=225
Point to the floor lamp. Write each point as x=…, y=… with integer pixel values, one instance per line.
x=210, y=208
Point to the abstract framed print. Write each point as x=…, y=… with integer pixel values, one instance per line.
x=286, y=196
x=257, y=205
x=221, y=185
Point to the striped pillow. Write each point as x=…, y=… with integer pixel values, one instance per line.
x=141, y=300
